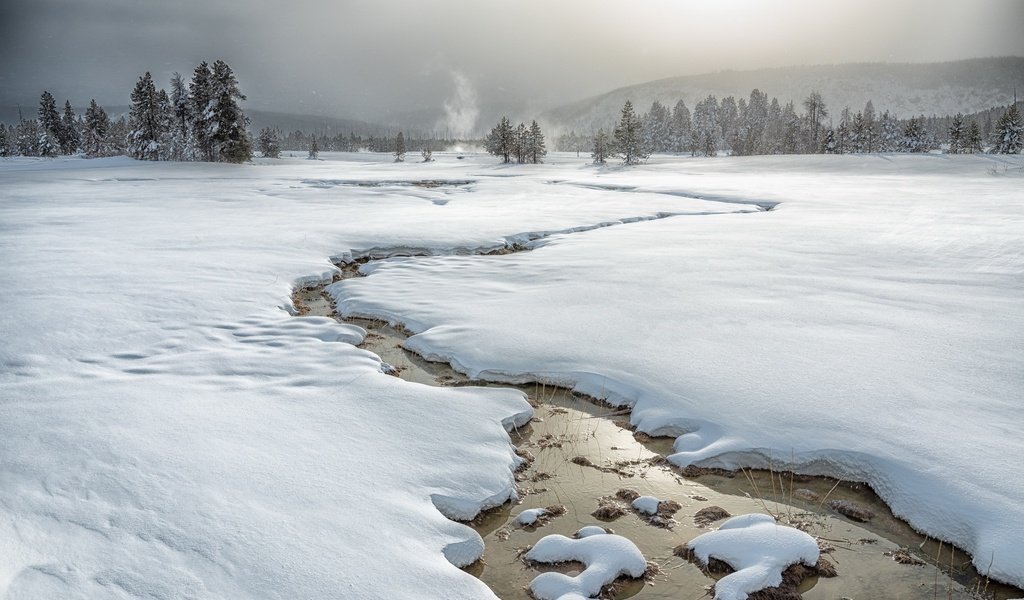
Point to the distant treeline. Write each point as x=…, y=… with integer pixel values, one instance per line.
x=200, y=120
x=761, y=126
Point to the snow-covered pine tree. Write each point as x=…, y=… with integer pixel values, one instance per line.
x=268, y=143
x=870, y=139
x=816, y=114
x=914, y=136
x=858, y=133
x=181, y=143
x=97, y=126
x=841, y=138
x=891, y=137
x=602, y=147
x=201, y=121
x=828, y=142
x=229, y=131
x=521, y=139
x=499, y=141
x=27, y=137
x=314, y=148
x=70, y=139
x=536, y=149
x=957, y=134
x=165, y=116
x=706, y=127
x=627, y=136
x=974, y=139
x=400, y=147
x=1008, y=137
x=5, y=144
x=48, y=141
x=728, y=121
x=657, y=128
x=680, y=128
x=792, y=133
x=144, y=136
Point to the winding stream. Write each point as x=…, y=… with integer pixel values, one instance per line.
x=583, y=451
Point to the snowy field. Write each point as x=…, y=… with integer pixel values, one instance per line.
x=169, y=430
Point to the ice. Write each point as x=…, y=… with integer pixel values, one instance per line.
x=758, y=548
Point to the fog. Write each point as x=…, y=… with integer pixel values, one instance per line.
x=375, y=60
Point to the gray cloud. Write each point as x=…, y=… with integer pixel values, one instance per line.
x=371, y=59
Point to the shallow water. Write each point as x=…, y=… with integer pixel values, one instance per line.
x=567, y=426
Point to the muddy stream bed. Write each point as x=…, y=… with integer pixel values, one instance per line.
x=583, y=451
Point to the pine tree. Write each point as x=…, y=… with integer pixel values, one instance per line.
x=841, y=138
x=680, y=128
x=974, y=139
x=1008, y=137
x=627, y=136
x=27, y=137
x=49, y=126
x=535, y=148
x=314, y=148
x=828, y=142
x=891, y=138
x=400, y=147
x=602, y=147
x=201, y=112
x=706, y=128
x=957, y=135
x=914, y=136
x=5, y=144
x=816, y=114
x=269, y=145
x=870, y=140
x=143, y=142
x=520, y=139
x=97, y=126
x=181, y=143
x=70, y=139
x=500, y=140
x=230, y=138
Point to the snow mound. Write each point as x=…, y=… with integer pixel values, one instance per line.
x=606, y=556
x=590, y=530
x=647, y=505
x=530, y=516
x=758, y=548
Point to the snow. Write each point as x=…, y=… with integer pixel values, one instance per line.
x=869, y=327
x=590, y=530
x=758, y=548
x=606, y=557
x=168, y=429
x=530, y=516
x=646, y=504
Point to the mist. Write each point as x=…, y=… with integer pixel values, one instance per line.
x=379, y=60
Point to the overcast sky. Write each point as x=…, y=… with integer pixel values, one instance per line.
x=371, y=58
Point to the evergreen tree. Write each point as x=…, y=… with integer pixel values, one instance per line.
x=728, y=121
x=314, y=148
x=891, y=138
x=229, y=135
x=914, y=136
x=1009, y=133
x=535, y=148
x=268, y=143
x=520, y=139
x=828, y=142
x=627, y=136
x=70, y=139
x=816, y=114
x=5, y=144
x=427, y=153
x=602, y=147
x=400, y=147
x=706, y=128
x=143, y=142
x=500, y=140
x=656, y=128
x=870, y=136
x=974, y=139
x=792, y=131
x=48, y=140
x=27, y=137
x=97, y=126
x=201, y=112
x=841, y=138
x=680, y=128
x=165, y=121
x=182, y=147
x=957, y=135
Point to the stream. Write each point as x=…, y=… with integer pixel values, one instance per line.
x=583, y=450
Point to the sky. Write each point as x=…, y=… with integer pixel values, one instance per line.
x=379, y=59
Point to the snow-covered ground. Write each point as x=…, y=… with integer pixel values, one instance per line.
x=168, y=430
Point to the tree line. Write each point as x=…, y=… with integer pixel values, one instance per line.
x=199, y=120
x=761, y=126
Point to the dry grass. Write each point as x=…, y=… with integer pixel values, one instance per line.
x=709, y=514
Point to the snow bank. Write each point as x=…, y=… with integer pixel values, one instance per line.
x=606, y=557
x=758, y=548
